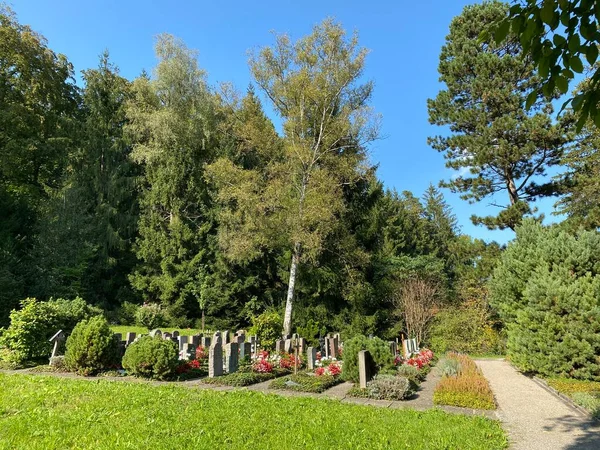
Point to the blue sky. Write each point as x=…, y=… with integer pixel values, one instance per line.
x=404, y=38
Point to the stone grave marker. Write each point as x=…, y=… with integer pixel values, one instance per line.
x=175, y=333
x=130, y=337
x=167, y=335
x=57, y=340
x=231, y=357
x=226, y=337
x=288, y=346
x=155, y=332
x=182, y=340
x=311, y=358
x=393, y=348
x=279, y=346
x=188, y=352
x=245, y=350
x=215, y=359
x=333, y=347
x=302, y=345
x=195, y=339
x=365, y=368
x=205, y=341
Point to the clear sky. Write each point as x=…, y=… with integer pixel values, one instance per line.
x=404, y=37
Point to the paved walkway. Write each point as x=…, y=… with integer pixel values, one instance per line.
x=535, y=418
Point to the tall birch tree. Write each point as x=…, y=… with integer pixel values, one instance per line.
x=295, y=200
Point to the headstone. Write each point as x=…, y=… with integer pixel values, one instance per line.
x=393, y=348
x=175, y=333
x=337, y=335
x=301, y=345
x=167, y=335
x=226, y=337
x=333, y=347
x=182, y=340
x=205, y=341
x=279, y=346
x=188, y=352
x=155, y=332
x=285, y=336
x=239, y=339
x=130, y=337
x=245, y=350
x=365, y=368
x=295, y=336
x=287, y=346
x=327, y=347
x=215, y=359
x=195, y=340
x=311, y=358
x=231, y=355
x=253, y=343
x=217, y=338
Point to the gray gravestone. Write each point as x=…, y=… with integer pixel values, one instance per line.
x=155, y=332
x=130, y=337
x=231, y=355
x=188, y=352
x=167, y=335
x=195, y=339
x=182, y=340
x=205, y=341
x=226, y=337
x=301, y=345
x=217, y=338
x=393, y=348
x=365, y=368
x=175, y=333
x=215, y=359
x=288, y=346
x=253, y=343
x=245, y=350
x=311, y=358
x=279, y=346
x=333, y=347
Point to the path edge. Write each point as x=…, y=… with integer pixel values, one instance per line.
x=565, y=399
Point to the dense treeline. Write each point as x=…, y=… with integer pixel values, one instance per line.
x=167, y=191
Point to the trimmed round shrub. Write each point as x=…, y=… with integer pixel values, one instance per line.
x=268, y=327
x=379, y=349
x=150, y=357
x=389, y=387
x=92, y=347
x=150, y=316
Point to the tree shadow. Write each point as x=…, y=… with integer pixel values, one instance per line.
x=588, y=431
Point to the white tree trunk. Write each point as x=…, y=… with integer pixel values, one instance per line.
x=287, y=318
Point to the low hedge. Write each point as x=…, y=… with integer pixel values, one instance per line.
x=468, y=389
x=305, y=382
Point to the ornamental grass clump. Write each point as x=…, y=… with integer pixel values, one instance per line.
x=467, y=389
x=389, y=387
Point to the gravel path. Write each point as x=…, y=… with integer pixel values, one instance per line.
x=534, y=418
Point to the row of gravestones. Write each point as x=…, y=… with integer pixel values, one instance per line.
x=409, y=346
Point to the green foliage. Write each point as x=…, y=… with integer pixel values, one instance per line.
x=311, y=331
x=150, y=316
x=450, y=367
x=91, y=347
x=465, y=329
x=268, y=327
x=379, y=349
x=240, y=379
x=36, y=322
x=150, y=357
x=583, y=393
x=304, y=382
x=560, y=37
x=547, y=290
x=496, y=144
x=340, y=425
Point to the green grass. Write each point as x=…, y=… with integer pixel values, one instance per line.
x=45, y=412
x=124, y=329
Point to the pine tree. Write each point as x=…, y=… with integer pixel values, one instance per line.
x=496, y=144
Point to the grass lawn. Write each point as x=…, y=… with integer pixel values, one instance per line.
x=43, y=412
x=124, y=329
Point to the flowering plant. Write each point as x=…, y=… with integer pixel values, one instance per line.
x=289, y=361
x=188, y=366
x=332, y=369
x=201, y=352
x=262, y=366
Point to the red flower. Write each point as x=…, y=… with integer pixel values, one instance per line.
x=320, y=371
x=263, y=366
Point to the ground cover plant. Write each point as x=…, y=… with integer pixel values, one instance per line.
x=64, y=413
x=306, y=382
x=463, y=385
x=583, y=393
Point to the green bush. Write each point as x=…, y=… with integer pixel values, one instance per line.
x=450, y=367
x=547, y=290
x=379, y=349
x=240, y=379
x=36, y=322
x=466, y=330
x=268, y=327
x=150, y=316
x=151, y=358
x=126, y=314
x=91, y=347
x=411, y=373
x=311, y=332
x=303, y=382
x=389, y=387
